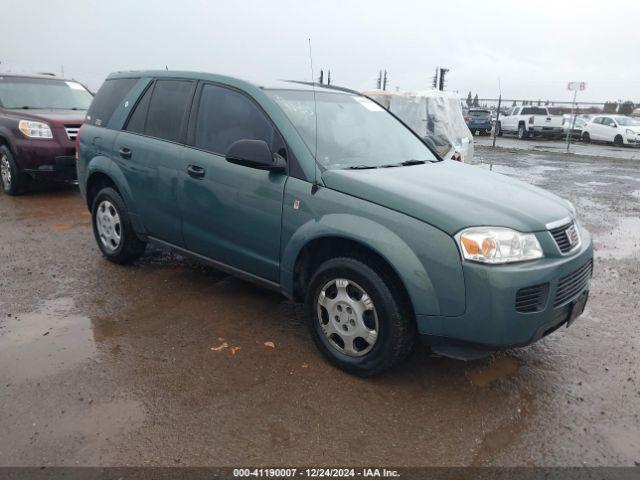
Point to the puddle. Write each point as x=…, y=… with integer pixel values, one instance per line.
x=498, y=368
x=47, y=341
x=622, y=241
x=505, y=434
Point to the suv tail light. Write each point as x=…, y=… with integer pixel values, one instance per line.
x=531, y=119
x=466, y=118
x=78, y=142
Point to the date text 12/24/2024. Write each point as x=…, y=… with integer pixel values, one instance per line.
x=315, y=473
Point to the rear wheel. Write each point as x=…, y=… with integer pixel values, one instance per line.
x=13, y=182
x=358, y=320
x=618, y=141
x=112, y=228
x=586, y=138
x=522, y=132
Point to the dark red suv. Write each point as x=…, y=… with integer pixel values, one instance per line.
x=40, y=116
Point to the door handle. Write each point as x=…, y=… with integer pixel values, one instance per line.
x=125, y=152
x=195, y=171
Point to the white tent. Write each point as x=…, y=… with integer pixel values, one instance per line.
x=433, y=115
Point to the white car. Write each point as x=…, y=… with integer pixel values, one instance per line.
x=616, y=129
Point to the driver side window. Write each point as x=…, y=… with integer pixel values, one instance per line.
x=225, y=116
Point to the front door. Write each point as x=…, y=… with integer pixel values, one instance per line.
x=231, y=213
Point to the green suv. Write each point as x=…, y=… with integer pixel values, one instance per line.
x=323, y=195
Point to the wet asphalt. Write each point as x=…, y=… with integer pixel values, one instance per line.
x=166, y=362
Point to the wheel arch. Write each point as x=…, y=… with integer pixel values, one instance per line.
x=102, y=172
x=315, y=242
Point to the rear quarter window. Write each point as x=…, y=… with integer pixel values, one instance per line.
x=111, y=93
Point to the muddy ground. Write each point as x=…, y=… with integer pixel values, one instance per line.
x=104, y=364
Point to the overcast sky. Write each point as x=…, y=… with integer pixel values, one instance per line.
x=534, y=48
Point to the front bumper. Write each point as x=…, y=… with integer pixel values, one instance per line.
x=490, y=321
x=47, y=158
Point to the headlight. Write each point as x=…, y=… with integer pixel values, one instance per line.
x=498, y=245
x=631, y=133
x=35, y=129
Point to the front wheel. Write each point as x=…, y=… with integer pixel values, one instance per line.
x=112, y=228
x=586, y=138
x=13, y=182
x=618, y=141
x=358, y=321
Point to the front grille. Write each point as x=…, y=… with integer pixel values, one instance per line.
x=532, y=299
x=573, y=284
x=566, y=237
x=72, y=131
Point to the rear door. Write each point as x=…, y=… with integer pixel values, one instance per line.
x=231, y=213
x=150, y=152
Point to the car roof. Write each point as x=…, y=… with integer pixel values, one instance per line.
x=41, y=76
x=235, y=81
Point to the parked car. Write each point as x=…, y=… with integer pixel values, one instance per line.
x=39, y=118
x=326, y=197
x=617, y=129
x=575, y=125
x=479, y=120
x=529, y=122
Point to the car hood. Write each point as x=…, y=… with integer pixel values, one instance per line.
x=53, y=117
x=451, y=196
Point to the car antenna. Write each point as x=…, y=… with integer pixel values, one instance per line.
x=314, y=185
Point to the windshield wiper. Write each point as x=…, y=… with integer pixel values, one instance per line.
x=406, y=163
x=361, y=167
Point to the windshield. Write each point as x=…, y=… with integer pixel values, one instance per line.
x=627, y=122
x=24, y=92
x=353, y=131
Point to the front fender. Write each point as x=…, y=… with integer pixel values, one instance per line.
x=385, y=243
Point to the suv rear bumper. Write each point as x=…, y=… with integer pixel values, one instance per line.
x=491, y=321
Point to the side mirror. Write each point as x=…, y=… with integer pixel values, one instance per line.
x=613, y=125
x=255, y=154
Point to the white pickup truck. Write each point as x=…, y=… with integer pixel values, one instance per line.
x=530, y=121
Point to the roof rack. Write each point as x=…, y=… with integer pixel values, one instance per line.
x=322, y=85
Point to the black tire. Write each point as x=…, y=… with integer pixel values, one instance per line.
x=14, y=182
x=618, y=141
x=129, y=247
x=499, y=129
x=586, y=138
x=396, y=330
x=522, y=132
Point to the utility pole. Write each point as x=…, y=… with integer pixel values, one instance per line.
x=379, y=81
x=328, y=77
x=321, y=78
x=384, y=80
x=443, y=72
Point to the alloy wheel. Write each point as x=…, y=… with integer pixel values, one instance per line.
x=109, y=226
x=347, y=317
